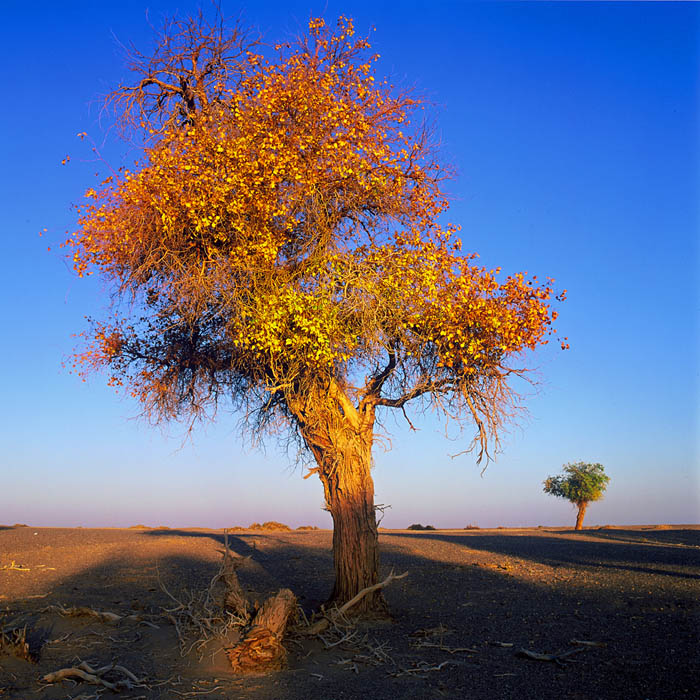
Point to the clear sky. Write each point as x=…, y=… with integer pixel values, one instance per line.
x=574, y=132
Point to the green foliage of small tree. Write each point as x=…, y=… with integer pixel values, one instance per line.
x=580, y=483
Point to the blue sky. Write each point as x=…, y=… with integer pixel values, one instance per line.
x=573, y=130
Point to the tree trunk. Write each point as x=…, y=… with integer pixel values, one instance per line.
x=350, y=500
x=581, y=512
x=341, y=441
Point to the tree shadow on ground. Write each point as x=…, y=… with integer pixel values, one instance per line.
x=552, y=550
x=649, y=535
x=443, y=604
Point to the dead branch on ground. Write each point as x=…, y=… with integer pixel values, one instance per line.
x=420, y=669
x=442, y=647
x=336, y=613
x=95, y=676
x=214, y=613
x=14, y=566
x=107, y=617
x=559, y=659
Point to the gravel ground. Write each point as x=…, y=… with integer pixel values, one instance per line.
x=472, y=602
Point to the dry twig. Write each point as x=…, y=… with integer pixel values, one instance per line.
x=556, y=658
x=442, y=647
x=420, y=669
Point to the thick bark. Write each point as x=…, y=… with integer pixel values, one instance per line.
x=341, y=442
x=261, y=649
x=581, y=512
x=350, y=500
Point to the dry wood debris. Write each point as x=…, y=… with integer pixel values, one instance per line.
x=217, y=613
x=337, y=613
x=261, y=648
x=560, y=659
x=95, y=676
x=109, y=618
x=13, y=641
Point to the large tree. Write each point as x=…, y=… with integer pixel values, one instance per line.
x=580, y=483
x=279, y=247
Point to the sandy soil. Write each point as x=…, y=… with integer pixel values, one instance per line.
x=472, y=600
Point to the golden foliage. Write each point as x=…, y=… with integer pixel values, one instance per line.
x=282, y=233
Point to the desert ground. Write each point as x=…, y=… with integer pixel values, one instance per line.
x=483, y=614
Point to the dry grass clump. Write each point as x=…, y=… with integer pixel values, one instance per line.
x=307, y=527
x=138, y=527
x=418, y=526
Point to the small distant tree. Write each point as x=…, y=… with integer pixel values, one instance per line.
x=580, y=483
x=279, y=248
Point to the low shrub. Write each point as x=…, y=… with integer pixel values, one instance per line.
x=418, y=526
x=472, y=527
x=269, y=525
x=307, y=527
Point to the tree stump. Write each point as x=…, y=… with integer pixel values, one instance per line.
x=261, y=649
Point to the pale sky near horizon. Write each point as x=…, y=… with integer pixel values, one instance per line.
x=573, y=130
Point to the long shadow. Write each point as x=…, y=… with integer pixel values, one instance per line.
x=557, y=551
x=653, y=536
x=438, y=608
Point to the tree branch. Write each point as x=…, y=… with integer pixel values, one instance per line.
x=377, y=381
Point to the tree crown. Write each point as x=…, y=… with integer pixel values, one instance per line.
x=280, y=244
x=580, y=483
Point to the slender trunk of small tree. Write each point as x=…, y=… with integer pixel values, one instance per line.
x=581, y=512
